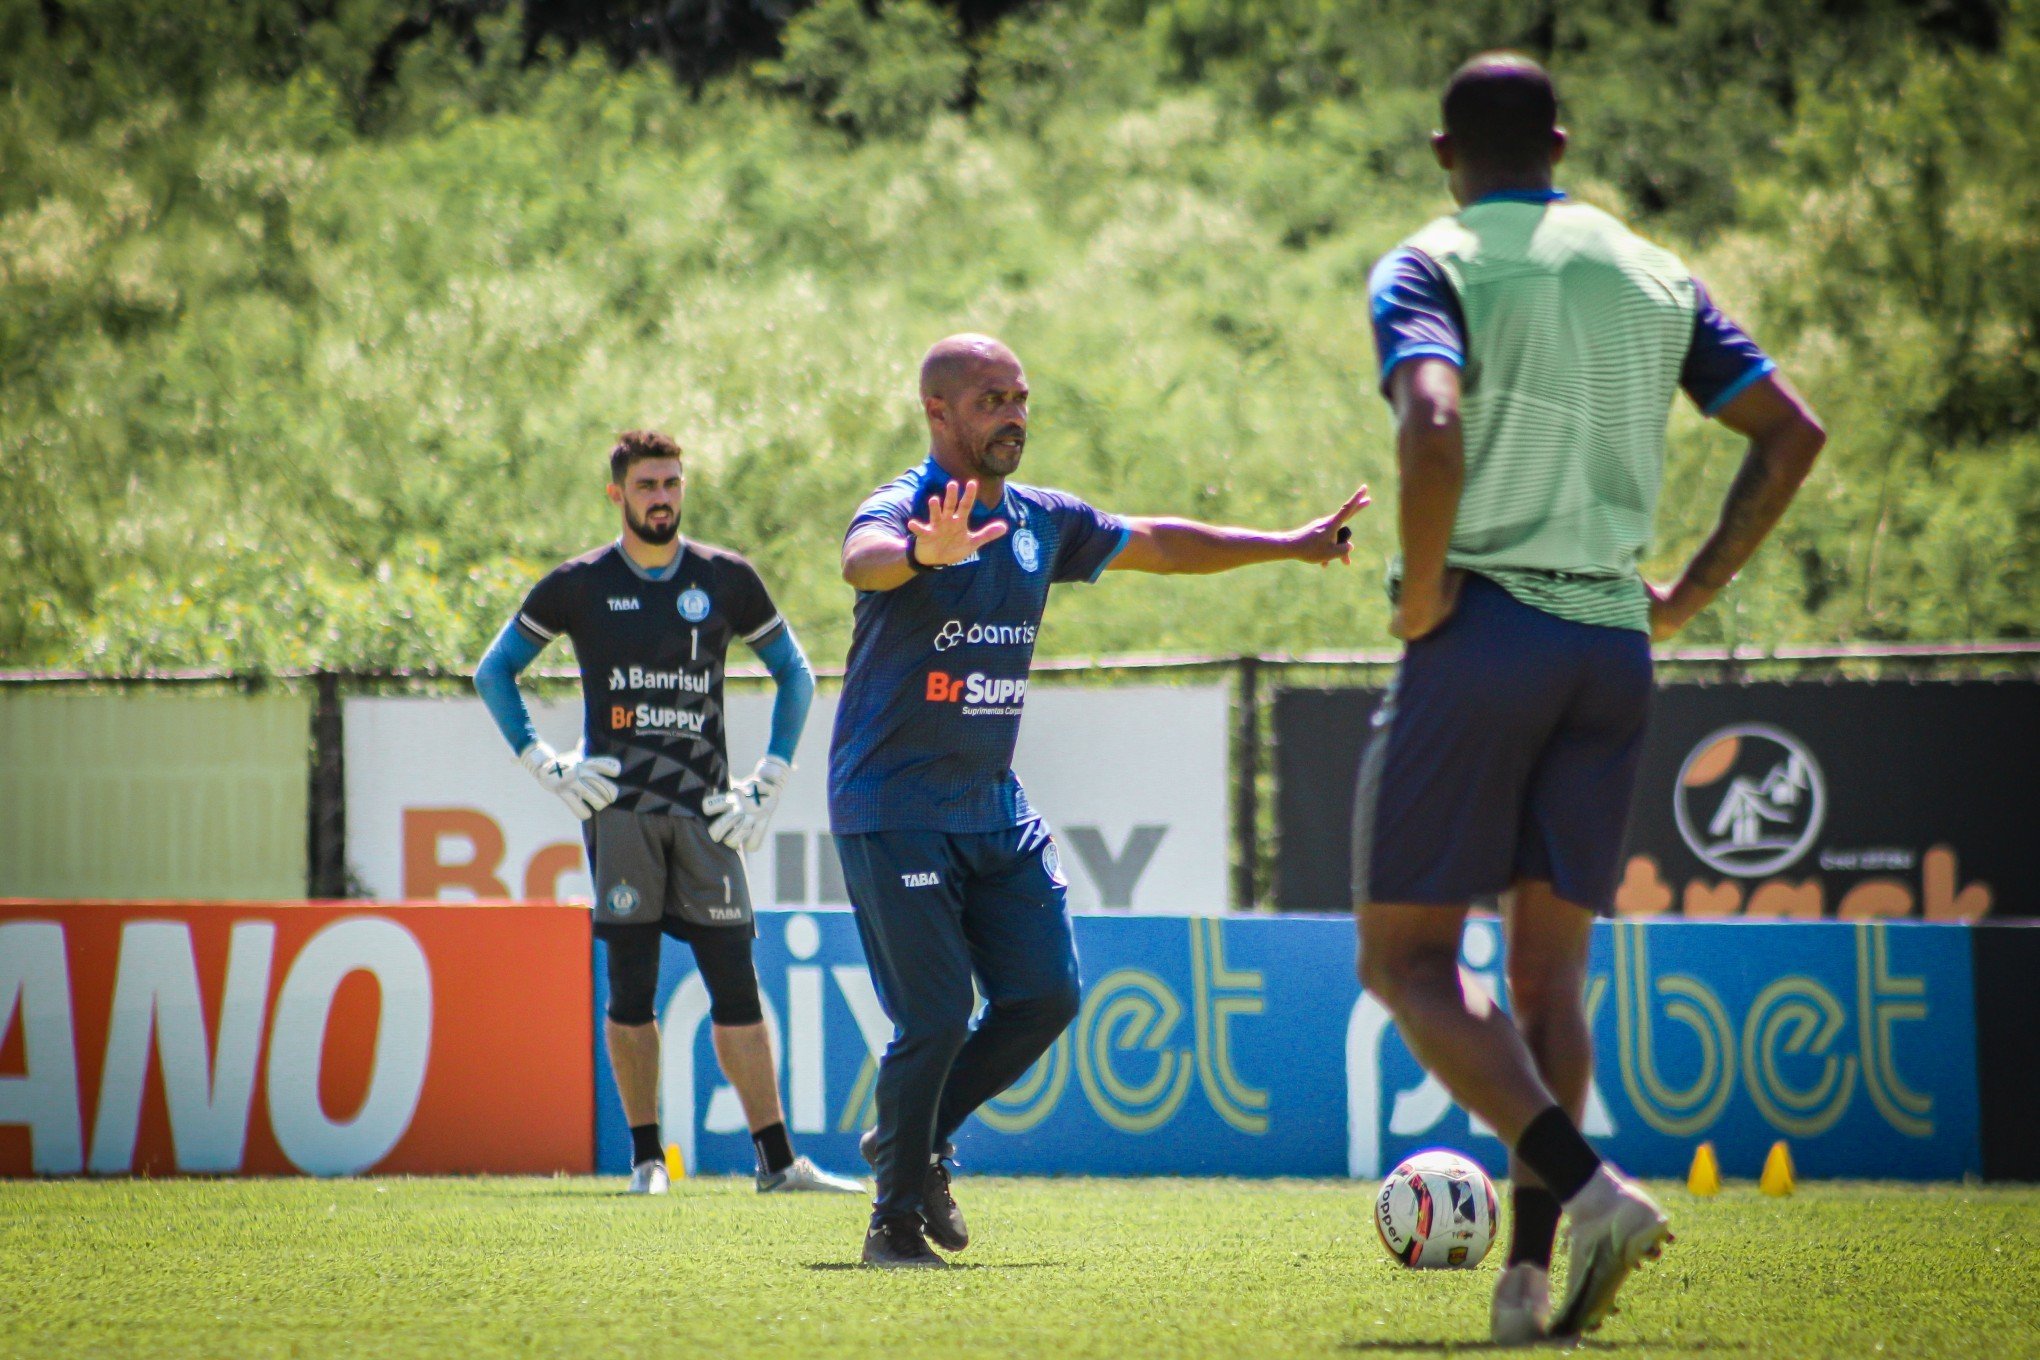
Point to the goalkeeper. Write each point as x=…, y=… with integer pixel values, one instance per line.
x=651, y=617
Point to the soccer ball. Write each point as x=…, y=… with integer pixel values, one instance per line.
x=1436, y=1212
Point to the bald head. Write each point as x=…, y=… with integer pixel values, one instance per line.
x=950, y=363
x=1501, y=114
x=975, y=397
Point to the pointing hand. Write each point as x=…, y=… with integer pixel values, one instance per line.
x=945, y=537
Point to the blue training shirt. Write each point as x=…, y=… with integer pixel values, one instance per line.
x=1416, y=313
x=937, y=674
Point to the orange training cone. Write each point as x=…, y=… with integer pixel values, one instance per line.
x=1777, y=1178
x=1705, y=1177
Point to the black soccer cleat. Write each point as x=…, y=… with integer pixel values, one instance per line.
x=896, y=1244
x=939, y=1212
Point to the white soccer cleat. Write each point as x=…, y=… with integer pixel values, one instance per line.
x=1615, y=1228
x=649, y=1177
x=1522, y=1306
x=805, y=1175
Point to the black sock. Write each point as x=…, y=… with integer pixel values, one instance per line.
x=1551, y=1146
x=774, y=1148
x=644, y=1143
x=1533, y=1225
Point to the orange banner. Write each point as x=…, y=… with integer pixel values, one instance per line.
x=264, y=1039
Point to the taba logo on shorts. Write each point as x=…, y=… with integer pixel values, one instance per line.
x=622, y=900
x=1749, y=800
x=955, y=634
x=622, y=602
x=693, y=604
x=930, y=879
x=1027, y=550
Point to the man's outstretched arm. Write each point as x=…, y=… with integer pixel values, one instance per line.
x=1175, y=547
x=1785, y=438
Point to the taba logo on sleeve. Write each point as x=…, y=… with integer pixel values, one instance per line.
x=928, y=879
x=1749, y=800
x=693, y=604
x=1027, y=550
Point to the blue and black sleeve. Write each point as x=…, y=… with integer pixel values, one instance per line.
x=1415, y=312
x=1722, y=361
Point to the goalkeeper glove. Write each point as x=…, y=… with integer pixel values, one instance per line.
x=577, y=780
x=741, y=814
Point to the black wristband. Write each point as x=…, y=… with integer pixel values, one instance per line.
x=914, y=563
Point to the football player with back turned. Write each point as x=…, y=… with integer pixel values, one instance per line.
x=652, y=616
x=1532, y=348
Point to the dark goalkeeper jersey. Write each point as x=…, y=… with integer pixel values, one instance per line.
x=651, y=650
x=937, y=672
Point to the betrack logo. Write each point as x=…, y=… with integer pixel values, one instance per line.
x=978, y=693
x=653, y=718
x=637, y=677
x=954, y=634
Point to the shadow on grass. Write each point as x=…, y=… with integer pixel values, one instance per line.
x=1430, y=1346
x=953, y=1265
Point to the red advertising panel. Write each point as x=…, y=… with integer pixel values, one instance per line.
x=165, y=1038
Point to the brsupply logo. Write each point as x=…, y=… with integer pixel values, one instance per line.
x=980, y=695
x=654, y=718
x=955, y=634
x=1749, y=800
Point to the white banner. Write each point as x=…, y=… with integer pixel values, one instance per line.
x=1132, y=779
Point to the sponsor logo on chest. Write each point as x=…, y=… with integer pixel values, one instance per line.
x=622, y=603
x=929, y=879
x=980, y=695
x=639, y=677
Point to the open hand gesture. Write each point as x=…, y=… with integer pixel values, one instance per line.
x=945, y=537
x=1328, y=540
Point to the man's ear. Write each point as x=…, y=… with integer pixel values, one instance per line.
x=615, y=494
x=1558, y=144
x=936, y=409
x=1441, y=147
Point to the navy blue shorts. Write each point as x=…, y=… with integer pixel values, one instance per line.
x=934, y=909
x=1505, y=750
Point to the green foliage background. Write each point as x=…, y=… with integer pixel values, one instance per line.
x=296, y=368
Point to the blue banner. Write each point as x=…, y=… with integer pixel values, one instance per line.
x=1244, y=1046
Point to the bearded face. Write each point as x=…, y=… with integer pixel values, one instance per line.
x=657, y=526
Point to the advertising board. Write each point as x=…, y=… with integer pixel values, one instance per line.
x=437, y=808
x=1244, y=1046
x=163, y=1038
x=1803, y=800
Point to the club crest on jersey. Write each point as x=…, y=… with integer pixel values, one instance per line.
x=1027, y=550
x=623, y=900
x=693, y=604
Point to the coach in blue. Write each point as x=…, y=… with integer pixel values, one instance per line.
x=953, y=875
x=652, y=616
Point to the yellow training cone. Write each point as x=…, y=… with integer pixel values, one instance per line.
x=1705, y=1177
x=1777, y=1178
x=676, y=1165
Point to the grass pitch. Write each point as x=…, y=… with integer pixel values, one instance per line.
x=1062, y=1268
